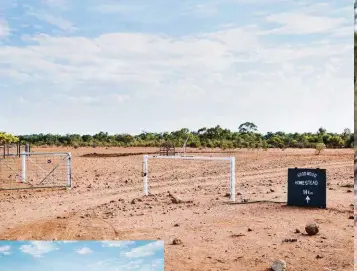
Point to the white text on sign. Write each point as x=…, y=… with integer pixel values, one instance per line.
x=307, y=192
x=307, y=182
x=306, y=173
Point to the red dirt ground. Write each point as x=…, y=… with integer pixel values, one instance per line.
x=214, y=232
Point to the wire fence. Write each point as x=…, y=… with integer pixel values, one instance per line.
x=185, y=171
x=35, y=170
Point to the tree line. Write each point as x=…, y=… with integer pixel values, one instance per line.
x=246, y=136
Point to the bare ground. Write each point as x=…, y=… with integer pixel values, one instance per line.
x=215, y=234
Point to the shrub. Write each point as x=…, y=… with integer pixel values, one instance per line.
x=320, y=147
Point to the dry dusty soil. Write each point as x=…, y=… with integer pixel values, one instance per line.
x=107, y=202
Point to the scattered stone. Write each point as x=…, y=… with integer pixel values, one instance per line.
x=237, y=235
x=319, y=257
x=272, y=190
x=278, y=265
x=227, y=195
x=176, y=225
x=351, y=217
x=349, y=191
x=177, y=200
x=289, y=240
x=348, y=185
x=297, y=231
x=177, y=241
x=239, y=194
x=249, y=229
x=312, y=229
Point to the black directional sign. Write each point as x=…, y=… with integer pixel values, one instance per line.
x=307, y=187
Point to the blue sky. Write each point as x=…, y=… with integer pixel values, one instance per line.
x=82, y=255
x=126, y=66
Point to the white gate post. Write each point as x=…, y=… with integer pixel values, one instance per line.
x=69, y=169
x=23, y=171
x=233, y=179
x=145, y=175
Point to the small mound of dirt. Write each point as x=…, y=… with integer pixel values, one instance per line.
x=177, y=242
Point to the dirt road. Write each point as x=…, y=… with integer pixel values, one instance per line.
x=107, y=202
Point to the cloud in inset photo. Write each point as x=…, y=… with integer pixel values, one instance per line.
x=121, y=244
x=5, y=250
x=81, y=256
x=38, y=248
x=84, y=251
x=145, y=250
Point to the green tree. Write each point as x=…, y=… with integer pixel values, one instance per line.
x=247, y=127
x=6, y=138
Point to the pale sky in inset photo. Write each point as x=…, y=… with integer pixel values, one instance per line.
x=82, y=255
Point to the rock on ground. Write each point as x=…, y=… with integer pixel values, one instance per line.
x=312, y=229
x=278, y=265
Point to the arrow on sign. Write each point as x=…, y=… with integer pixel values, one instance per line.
x=307, y=199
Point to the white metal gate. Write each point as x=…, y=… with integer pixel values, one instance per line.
x=35, y=170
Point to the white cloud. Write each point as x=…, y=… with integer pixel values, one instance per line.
x=149, y=65
x=54, y=20
x=120, y=244
x=145, y=251
x=294, y=23
x=84, y=251
x=123, y=57
x=38, y=248
x=5, y=250
x=343, y=31
x=4, y=29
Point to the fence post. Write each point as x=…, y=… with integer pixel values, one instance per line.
x=69, y=168
x=233, y=179
x=23, y=171
x=145, y=175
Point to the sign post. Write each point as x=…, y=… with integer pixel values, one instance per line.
x=307, y=187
